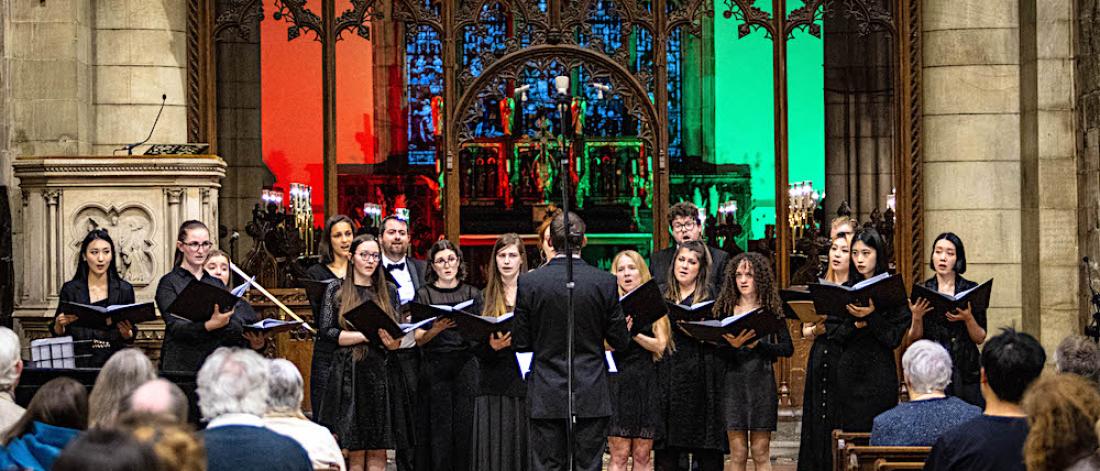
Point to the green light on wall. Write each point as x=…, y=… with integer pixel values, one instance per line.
x=744, y=131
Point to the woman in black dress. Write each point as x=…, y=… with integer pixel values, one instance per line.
x=96, y=282
x=818, y=405
x=449, y=367
x=217, y=265
x=691, y=376
x=186, y=343
x=500, y=408
x=358, y=405
x=751, y=402
x=963, y=330
x=334, y=247
x=866, y=373
x=634, y=390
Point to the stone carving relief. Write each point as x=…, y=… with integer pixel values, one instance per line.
x=132, y=229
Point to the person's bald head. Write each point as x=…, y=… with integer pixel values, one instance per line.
x=158, y=396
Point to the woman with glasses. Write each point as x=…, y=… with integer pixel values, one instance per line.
x=96, y=282
x=360, y=406
x=187, y=344
x=449, y=368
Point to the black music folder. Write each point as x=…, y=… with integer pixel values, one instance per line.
x=315, y=289
x=197, y=300
x=96, y=317
x=886, y=290
x=694, y=312
x=368, y=318
x=645, y=305
x=272, y=326
x=798, y=304
x=977, y=297
x=421, y=311
x=763, y=322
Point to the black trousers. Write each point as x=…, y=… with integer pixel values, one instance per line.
x=675, y=459
x=548, y=444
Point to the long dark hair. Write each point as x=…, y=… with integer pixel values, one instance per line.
x=495, y=302
x=872, y=239
x=61, y=402
x=82, y=263
x=960, y=252
x=762, y=278
x=181, y=236
x=349, y=295
x=440, y=245
x=324, y=246
x=672, y=287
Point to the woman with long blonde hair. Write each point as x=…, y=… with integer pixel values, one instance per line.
x=1062, y=411
x=122, y=374
x=634, y=391
x=500, y=406
x=359, y=406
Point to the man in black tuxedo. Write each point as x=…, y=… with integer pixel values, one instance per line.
x=407, y=274
x=540, y=327
x=685, y=224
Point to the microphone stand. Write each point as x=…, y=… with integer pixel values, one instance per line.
x=570, y=432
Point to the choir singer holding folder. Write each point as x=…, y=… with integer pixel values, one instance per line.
x=98, y=283
x=187, y=343
x=540, y=327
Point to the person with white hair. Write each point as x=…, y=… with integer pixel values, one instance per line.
x=284, y=416
x=232, y=389
x=11, y=366
x=929, y=412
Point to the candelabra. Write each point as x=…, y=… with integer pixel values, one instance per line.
x=802, y=201
x=372, y=219
x=301, y=206
x=271, y=196
x=727, y=227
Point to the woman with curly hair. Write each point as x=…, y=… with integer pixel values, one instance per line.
x=1062, y=410
x=751, y=402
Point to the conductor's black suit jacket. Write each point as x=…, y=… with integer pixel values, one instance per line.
x=540, y=327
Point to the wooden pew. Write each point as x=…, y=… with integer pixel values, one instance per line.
x=852, y=452
x=883, y=465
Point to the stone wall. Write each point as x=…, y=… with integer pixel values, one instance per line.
x=1087, y=43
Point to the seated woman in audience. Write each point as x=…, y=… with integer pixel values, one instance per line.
x=284, y=416
x=929, y=411
x=217, y=265
x=1062, y=411
x=56, y=414
x=176, y=446
x=98, y=283
x=107, y=450
x=1079, y=355
x=123, y=373
x=186, y=343
x=865, y=338
x=960, y=332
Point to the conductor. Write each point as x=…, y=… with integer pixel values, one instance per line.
x=540, y=327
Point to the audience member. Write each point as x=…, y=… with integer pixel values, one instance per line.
x=1011, y=361
x=929, y=412
x=1079, y=355
x=56, y=414
x=284, y=416
x=1062, y=410
x=124, y=371
x=158, y=396
x=11, y=366
x=107, y=450
x=232, y=389
x=175, y=444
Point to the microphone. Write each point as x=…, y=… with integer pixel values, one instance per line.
x=1085, y=259
x=236, y=235
x=130, y=147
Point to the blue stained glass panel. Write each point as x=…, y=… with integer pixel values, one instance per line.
x=424, y=80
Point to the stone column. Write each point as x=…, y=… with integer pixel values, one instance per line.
x=141, y=54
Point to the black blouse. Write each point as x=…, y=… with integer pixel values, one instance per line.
x=449, y=340
x=954, y=337
x=328, y=323
x=186, y=343
x=104, y=342
x=499, y=370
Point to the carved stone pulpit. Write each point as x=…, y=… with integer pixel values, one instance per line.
x=141, y=201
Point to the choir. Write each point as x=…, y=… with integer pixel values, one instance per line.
x=447, y=400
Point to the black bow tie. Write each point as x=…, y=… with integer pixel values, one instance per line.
x=396, y=266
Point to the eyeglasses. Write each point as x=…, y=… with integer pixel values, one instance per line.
x=685, y=226
x=369, y=256
x=199, y=245
x=446, y=261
